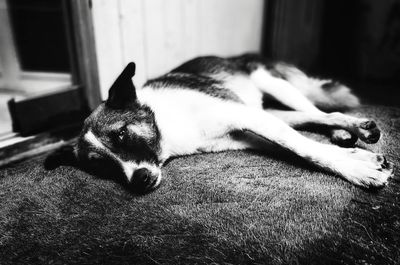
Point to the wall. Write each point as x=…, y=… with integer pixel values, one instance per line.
x=159, y=34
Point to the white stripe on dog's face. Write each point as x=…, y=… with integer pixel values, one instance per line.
x=128, y=167
x=91, y=138
x=142, y=130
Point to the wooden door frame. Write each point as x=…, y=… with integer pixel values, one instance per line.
x=84, y=60
x=27, y=119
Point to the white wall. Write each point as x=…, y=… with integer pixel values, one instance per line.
x=159, y=34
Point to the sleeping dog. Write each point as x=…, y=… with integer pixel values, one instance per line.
x=205, y=105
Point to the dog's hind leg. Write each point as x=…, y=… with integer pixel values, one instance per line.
x=289, y=95
x=358, y=166
x=365, y=129
x=282, y=90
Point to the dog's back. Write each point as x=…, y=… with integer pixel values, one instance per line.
x=231, y=79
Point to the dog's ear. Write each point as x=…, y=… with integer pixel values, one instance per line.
x=122, y=93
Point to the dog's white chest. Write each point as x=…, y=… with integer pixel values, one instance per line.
x=186, y=120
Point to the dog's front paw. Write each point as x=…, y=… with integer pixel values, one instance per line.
x=363, y=168
x=64, y=155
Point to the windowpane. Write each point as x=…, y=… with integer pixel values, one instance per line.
x=40, y=35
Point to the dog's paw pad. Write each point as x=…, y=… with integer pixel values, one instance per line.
x=386, y=166
x=369, y=132
x=367, y=125
x=343, y=138
x=372, y=136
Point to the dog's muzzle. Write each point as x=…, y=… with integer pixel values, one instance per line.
x=143, y=180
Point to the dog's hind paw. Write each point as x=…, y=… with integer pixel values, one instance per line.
x=343, y=138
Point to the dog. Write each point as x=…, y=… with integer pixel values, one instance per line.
x=213, y=104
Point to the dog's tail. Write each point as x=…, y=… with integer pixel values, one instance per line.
x=326, y=94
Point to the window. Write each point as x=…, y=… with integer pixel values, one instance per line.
x=34, y=54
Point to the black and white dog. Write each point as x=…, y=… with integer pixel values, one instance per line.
x=205, y=105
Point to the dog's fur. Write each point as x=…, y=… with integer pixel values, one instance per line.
x=212, y=104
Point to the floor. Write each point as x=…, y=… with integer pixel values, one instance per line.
x=224, y=208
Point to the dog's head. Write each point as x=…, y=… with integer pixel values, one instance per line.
x=124, y=132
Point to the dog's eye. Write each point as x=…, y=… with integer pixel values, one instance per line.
x=121, y=134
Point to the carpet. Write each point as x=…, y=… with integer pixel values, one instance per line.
x=236, y=207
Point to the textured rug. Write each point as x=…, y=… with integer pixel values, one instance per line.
x=225, y=208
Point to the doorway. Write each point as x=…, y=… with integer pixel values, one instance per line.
x=48, y=70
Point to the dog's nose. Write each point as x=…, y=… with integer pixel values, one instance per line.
x=142, y=174
x=143, y=180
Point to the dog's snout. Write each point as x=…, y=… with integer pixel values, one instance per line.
x=144, y=180
x=142, y=175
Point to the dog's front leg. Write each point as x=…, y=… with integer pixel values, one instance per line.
x=358, y=166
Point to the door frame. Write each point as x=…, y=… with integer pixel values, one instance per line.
x=84, y=59
x=85, y=83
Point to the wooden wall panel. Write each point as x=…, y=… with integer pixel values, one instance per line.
x=160, y=34
x=107, y=32
x=132, y=32
x=191, y=18
x=230, y=27
x=174, y=44
x=154, y=35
